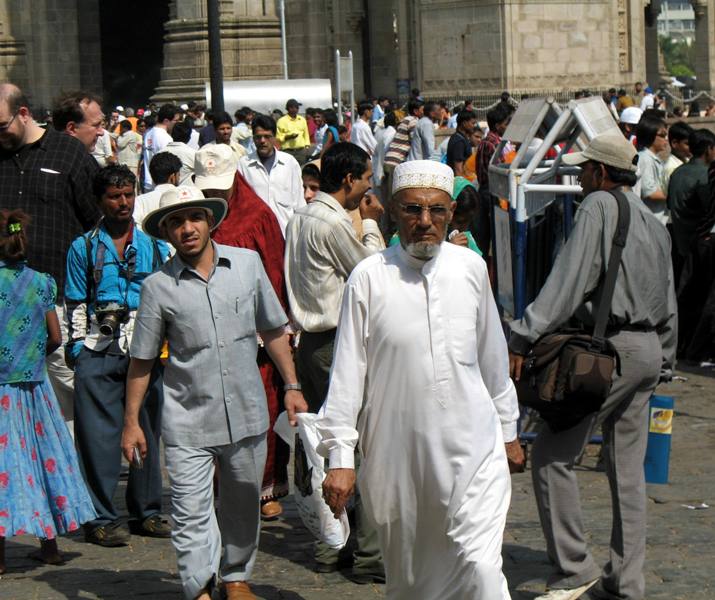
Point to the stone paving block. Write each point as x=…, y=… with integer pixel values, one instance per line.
x=678, y=563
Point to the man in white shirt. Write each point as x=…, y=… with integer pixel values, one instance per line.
x=274, y=175
x=179, y=146
x=361, y=134
x=158, y=137
x=165, y=168
x=648, y=99
x=322, y=249
x=420, y=378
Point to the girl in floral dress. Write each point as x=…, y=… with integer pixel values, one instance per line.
x=41, y=488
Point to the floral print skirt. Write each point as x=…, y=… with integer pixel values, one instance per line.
x=42, y=492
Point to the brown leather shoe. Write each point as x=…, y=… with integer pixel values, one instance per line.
x=238, y=590
x=271, y=510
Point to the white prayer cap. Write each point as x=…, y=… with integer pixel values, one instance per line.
x=119, y=108
x=184, y=107
x=428, y=174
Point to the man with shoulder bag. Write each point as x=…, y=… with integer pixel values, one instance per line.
x=632, y=343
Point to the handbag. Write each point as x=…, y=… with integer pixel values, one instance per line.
x=568, y=374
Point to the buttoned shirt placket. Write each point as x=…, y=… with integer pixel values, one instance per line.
x=224, y=369
x=437, y=328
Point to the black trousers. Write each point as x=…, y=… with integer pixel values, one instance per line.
x=99, y=418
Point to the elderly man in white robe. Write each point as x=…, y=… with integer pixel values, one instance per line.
x=420, y=379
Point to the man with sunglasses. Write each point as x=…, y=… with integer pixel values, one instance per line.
x=420, y=380
x=322, y=249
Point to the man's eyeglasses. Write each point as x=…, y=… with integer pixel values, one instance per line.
x=662, y=134
x=436, y=211
x=6, y=126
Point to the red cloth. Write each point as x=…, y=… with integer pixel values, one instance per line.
x=486, y=149
x=251, y=224
x=311, y=129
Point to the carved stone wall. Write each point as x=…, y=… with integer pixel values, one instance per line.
x=50, y=46
x=462, y=47
x=250, y=44
x=316, y=28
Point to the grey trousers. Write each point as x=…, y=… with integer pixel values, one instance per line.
x=625, y=437
x=198, y=535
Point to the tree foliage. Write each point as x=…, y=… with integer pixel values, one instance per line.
x=679, y=56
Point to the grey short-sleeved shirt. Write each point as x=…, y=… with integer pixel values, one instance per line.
x=213, y=393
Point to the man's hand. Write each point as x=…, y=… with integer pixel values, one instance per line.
x=133, y=437
x=338, y=486
x=294, y=403
x=290, y=136
x=459, y=239
x=516, y=361
x=515, y=456
x=370, y=207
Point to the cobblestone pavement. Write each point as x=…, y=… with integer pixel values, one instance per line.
x=678, y=567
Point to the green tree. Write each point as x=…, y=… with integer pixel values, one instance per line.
x=679, y=56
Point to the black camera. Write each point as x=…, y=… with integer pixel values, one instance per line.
x=109, y=316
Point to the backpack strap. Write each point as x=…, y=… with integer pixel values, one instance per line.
x=614, y=261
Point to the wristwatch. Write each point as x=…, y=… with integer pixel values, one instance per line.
x=292, y=386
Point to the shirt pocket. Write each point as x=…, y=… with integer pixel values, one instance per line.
x=463, y=338
x=51, y=186
x=244, y=316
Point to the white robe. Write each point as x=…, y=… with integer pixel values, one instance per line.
x=421, y=367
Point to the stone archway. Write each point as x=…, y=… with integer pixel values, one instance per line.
x=704, y=48
x=655, y=70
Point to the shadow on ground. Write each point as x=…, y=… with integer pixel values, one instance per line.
x=103, y=584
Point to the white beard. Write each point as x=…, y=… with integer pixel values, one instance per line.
x=422, y=250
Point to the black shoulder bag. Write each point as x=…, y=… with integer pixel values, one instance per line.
x=568, y=375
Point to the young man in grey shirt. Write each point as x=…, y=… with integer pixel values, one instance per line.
x=209, y=302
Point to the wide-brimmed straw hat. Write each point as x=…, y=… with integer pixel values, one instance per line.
x=181, y=198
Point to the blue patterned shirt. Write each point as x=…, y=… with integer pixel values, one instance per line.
x=25, y=297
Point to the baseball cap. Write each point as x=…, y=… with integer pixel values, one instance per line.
x=608, y=148
x=215, y=167
x=292, y=102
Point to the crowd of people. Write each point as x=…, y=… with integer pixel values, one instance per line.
x=177, y=276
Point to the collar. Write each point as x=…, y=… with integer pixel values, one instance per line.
x=106, y=239
x=163, y=187
x=653, y=154
x=424, y=266
x=220, y=258
x=254, y=159
x=19, y=264
x=332, y=203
